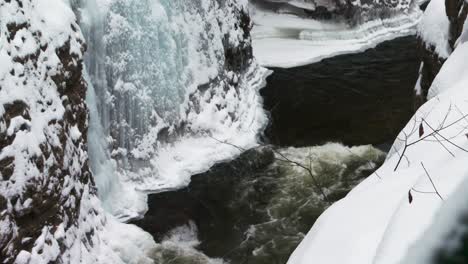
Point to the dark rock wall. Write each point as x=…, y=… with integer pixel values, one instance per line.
x=431, y=65
x=238, y=58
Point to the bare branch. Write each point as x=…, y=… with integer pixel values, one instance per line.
x=433, y=185
x=445, y=117
x=435, y=134
x=402, y=153
x=449, y=141
x=227, y=143
x=413, y=189
x=309, y=170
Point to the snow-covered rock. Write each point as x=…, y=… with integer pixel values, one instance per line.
x=438, y=32
x=49, y=210
x=413, y=209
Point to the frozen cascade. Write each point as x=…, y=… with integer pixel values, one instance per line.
x=102, y=165
x=167, y=93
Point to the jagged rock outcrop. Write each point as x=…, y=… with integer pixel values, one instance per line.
x=431, y=58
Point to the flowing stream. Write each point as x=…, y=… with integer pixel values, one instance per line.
x=258, y=208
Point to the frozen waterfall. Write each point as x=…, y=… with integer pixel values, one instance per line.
x=163, y=95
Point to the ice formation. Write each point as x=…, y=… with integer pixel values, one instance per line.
x=170, y=85
x=289, y=38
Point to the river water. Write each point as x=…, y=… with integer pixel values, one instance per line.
x=355, y=99
x=257, y=208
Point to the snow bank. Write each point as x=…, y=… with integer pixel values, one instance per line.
x=455, y=71
x=286, y=40
x=398, y=206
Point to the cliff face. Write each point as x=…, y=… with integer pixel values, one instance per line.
x=431, y=55
x=49, y=209
x=46, y=188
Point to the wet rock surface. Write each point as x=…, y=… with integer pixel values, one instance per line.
x=355, y=99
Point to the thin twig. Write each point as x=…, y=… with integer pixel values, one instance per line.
x=402, y=153
x=227, y=143
x=433, y=185
x=413, y=189
x=442, y=144
x=449, y=141
x=309, y=170
x=445, y=117
x=438, y=130
x=432, y=134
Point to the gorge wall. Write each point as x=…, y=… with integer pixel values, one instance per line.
x=46, y=186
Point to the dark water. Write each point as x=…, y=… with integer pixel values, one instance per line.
x=257, y=208
x=355, y=99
